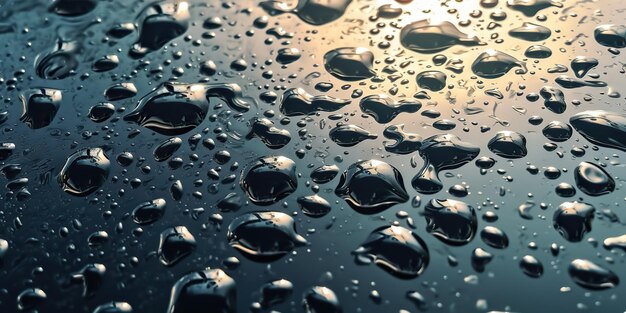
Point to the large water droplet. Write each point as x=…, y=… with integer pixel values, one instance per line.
x=371, y=186
x=603, y=128
x=395, y=249
x=40, y=106
x=426, y=37
x=350, y=64
x=175, y=244
x=593, y=179
x=592, y=276
x=508, y=144
x=264, y=236
x=84, y=171
x=269, y=179
x=441, y=152
x=494, y=64
x=211, y=289
x=451, y=221
x=573, y=220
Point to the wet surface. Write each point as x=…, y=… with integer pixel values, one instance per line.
x=312, y=156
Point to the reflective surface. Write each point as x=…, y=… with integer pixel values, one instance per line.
x=312, y=156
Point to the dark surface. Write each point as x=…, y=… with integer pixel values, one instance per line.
x=50, y=233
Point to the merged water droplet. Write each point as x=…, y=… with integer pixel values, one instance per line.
x=480, y=258
x=264, y=236
x=272, y=136
x=371, y=186
x=425, y=37
x=91, y=276
x=591, y=276
x=383, y=109
x=296, y=101
x=40, y=106
x=451, y=221
x=618, y=242
x=395, y=249
x=441, y=152
x=350, y=64
x=573, y=220
x=554, y=99
x=350, y=135
x=198, y=291
x=404, y=142
x=84, y=171
x=269, y=179
x=603, y=128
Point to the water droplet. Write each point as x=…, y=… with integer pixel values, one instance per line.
x=494, y=64
x=611, y=35
x=296, y=101
x=175, y=244
x=350, y=64
x=314, y=206
x=264, y=236
x=269, y=179
x=441, y=152
x=350, y=135
x=557, y=131
x=426, y=37
x=320, y=299
x=592, y=276
x=603, y=128
x=531, y=266
x=84, y=171
x=211, y=289
x=404, y=142
x=371, y=186
x=573, y=220
x=531, y=32
x=593, y=180
x=451, y=221
x=508, y=144
x=383, y=109
x=149, y=212
x=40, y=106
x=324, y=173
x=395, y=249
x=494, y=237
x=159, y=23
